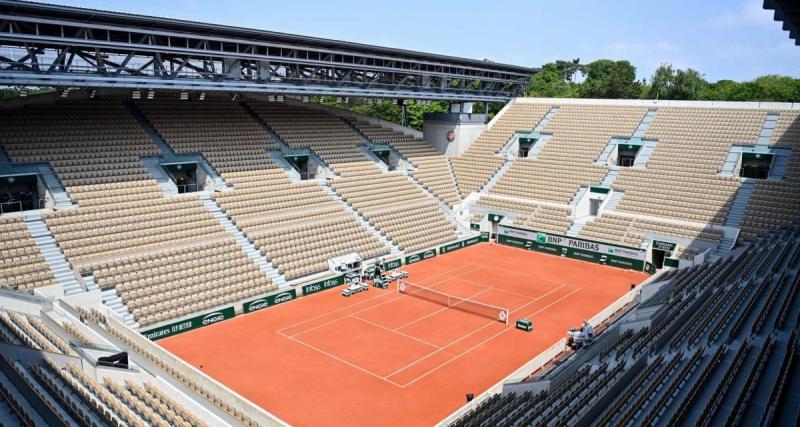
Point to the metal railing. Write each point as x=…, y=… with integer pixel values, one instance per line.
x=20, y=206
x=186, y=188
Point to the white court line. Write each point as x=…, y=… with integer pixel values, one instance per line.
x=397, y=296
x=440, y=310
x=396, y=332
x=517, y=273
x=503, y=290
x=506, y=329
x=341, y=360
x=473, y=332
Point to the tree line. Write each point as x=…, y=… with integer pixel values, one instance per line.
x=605, y=78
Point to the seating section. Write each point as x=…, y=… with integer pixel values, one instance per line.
x=30, y=331
x=329, y=136
x=539, y=216
x=681, y=180
x=566, y=162
x=397, y=208
x=631, y=230
x=775, y=204
x=93, y=146
x=721, y=346
x=433, y=169
x=178, y=282
x=22, y=266
x=218, y=128
x=477, y=165
x=295, y=224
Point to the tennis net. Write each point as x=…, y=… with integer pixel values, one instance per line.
x=464, y=304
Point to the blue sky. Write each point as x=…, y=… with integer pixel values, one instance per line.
x=723, y=39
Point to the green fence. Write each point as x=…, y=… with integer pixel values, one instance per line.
x=586, y=250
x=671, y=262
x=323, y=285
x=189, y=324
x=269, y=301
x=421, y=256
x=393, y=264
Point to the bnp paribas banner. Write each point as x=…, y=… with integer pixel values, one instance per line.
x=587, y=250
x=189, y=324
x=269, y=301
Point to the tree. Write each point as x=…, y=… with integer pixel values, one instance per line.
x=668, y=83
x=662, y=81
x=610, y=79
x=689, y=84
x=776, y=88
x=568, y=69
x=550, y=83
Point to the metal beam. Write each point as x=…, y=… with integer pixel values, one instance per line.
x=111, y=52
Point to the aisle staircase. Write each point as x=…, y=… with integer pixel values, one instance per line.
x=246, y=245
x=614, y=200
x=497, y=175
x=394, y=249
x=739, y=204
x=52, y=253
x=113, y=301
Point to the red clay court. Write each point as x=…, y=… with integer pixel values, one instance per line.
x=387, y=358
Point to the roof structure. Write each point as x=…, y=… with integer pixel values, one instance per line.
x=787, y=11
x=68, y=46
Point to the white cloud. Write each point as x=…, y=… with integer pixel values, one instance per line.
x=749, y=14
x=750, y=52
x=642, y=48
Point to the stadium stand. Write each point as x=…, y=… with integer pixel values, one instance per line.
x=433, y=170
x=294, y=224
x=720, y=344
x=22, y=266
x=719, y=335
x=479, y=163
x=681, y=179
x=566, y=162
x=774, y=204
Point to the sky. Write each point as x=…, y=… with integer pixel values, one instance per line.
x=723, y=39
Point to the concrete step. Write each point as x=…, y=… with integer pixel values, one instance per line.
x=249, y=248
x=55, y=259
x=380, y=236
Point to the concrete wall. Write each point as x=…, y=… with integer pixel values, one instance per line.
x=466, y=129
x=662, y=103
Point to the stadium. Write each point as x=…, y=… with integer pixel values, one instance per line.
x=190, y=236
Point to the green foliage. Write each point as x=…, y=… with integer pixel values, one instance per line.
x=668, y=83
x=9, y=92
x=610, y=79
x=550, y=82
x=617, y=79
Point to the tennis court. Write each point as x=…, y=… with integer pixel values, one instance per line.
x=403, y=358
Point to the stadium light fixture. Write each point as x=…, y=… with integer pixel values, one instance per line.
x=184, y=96
x=235, y=97
x=202, y=96
x=23, y=92
x=65, y=92
x=92, y=94
x=271, y=98
x=280, y=98
x=151, y=94
x=137, y=94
